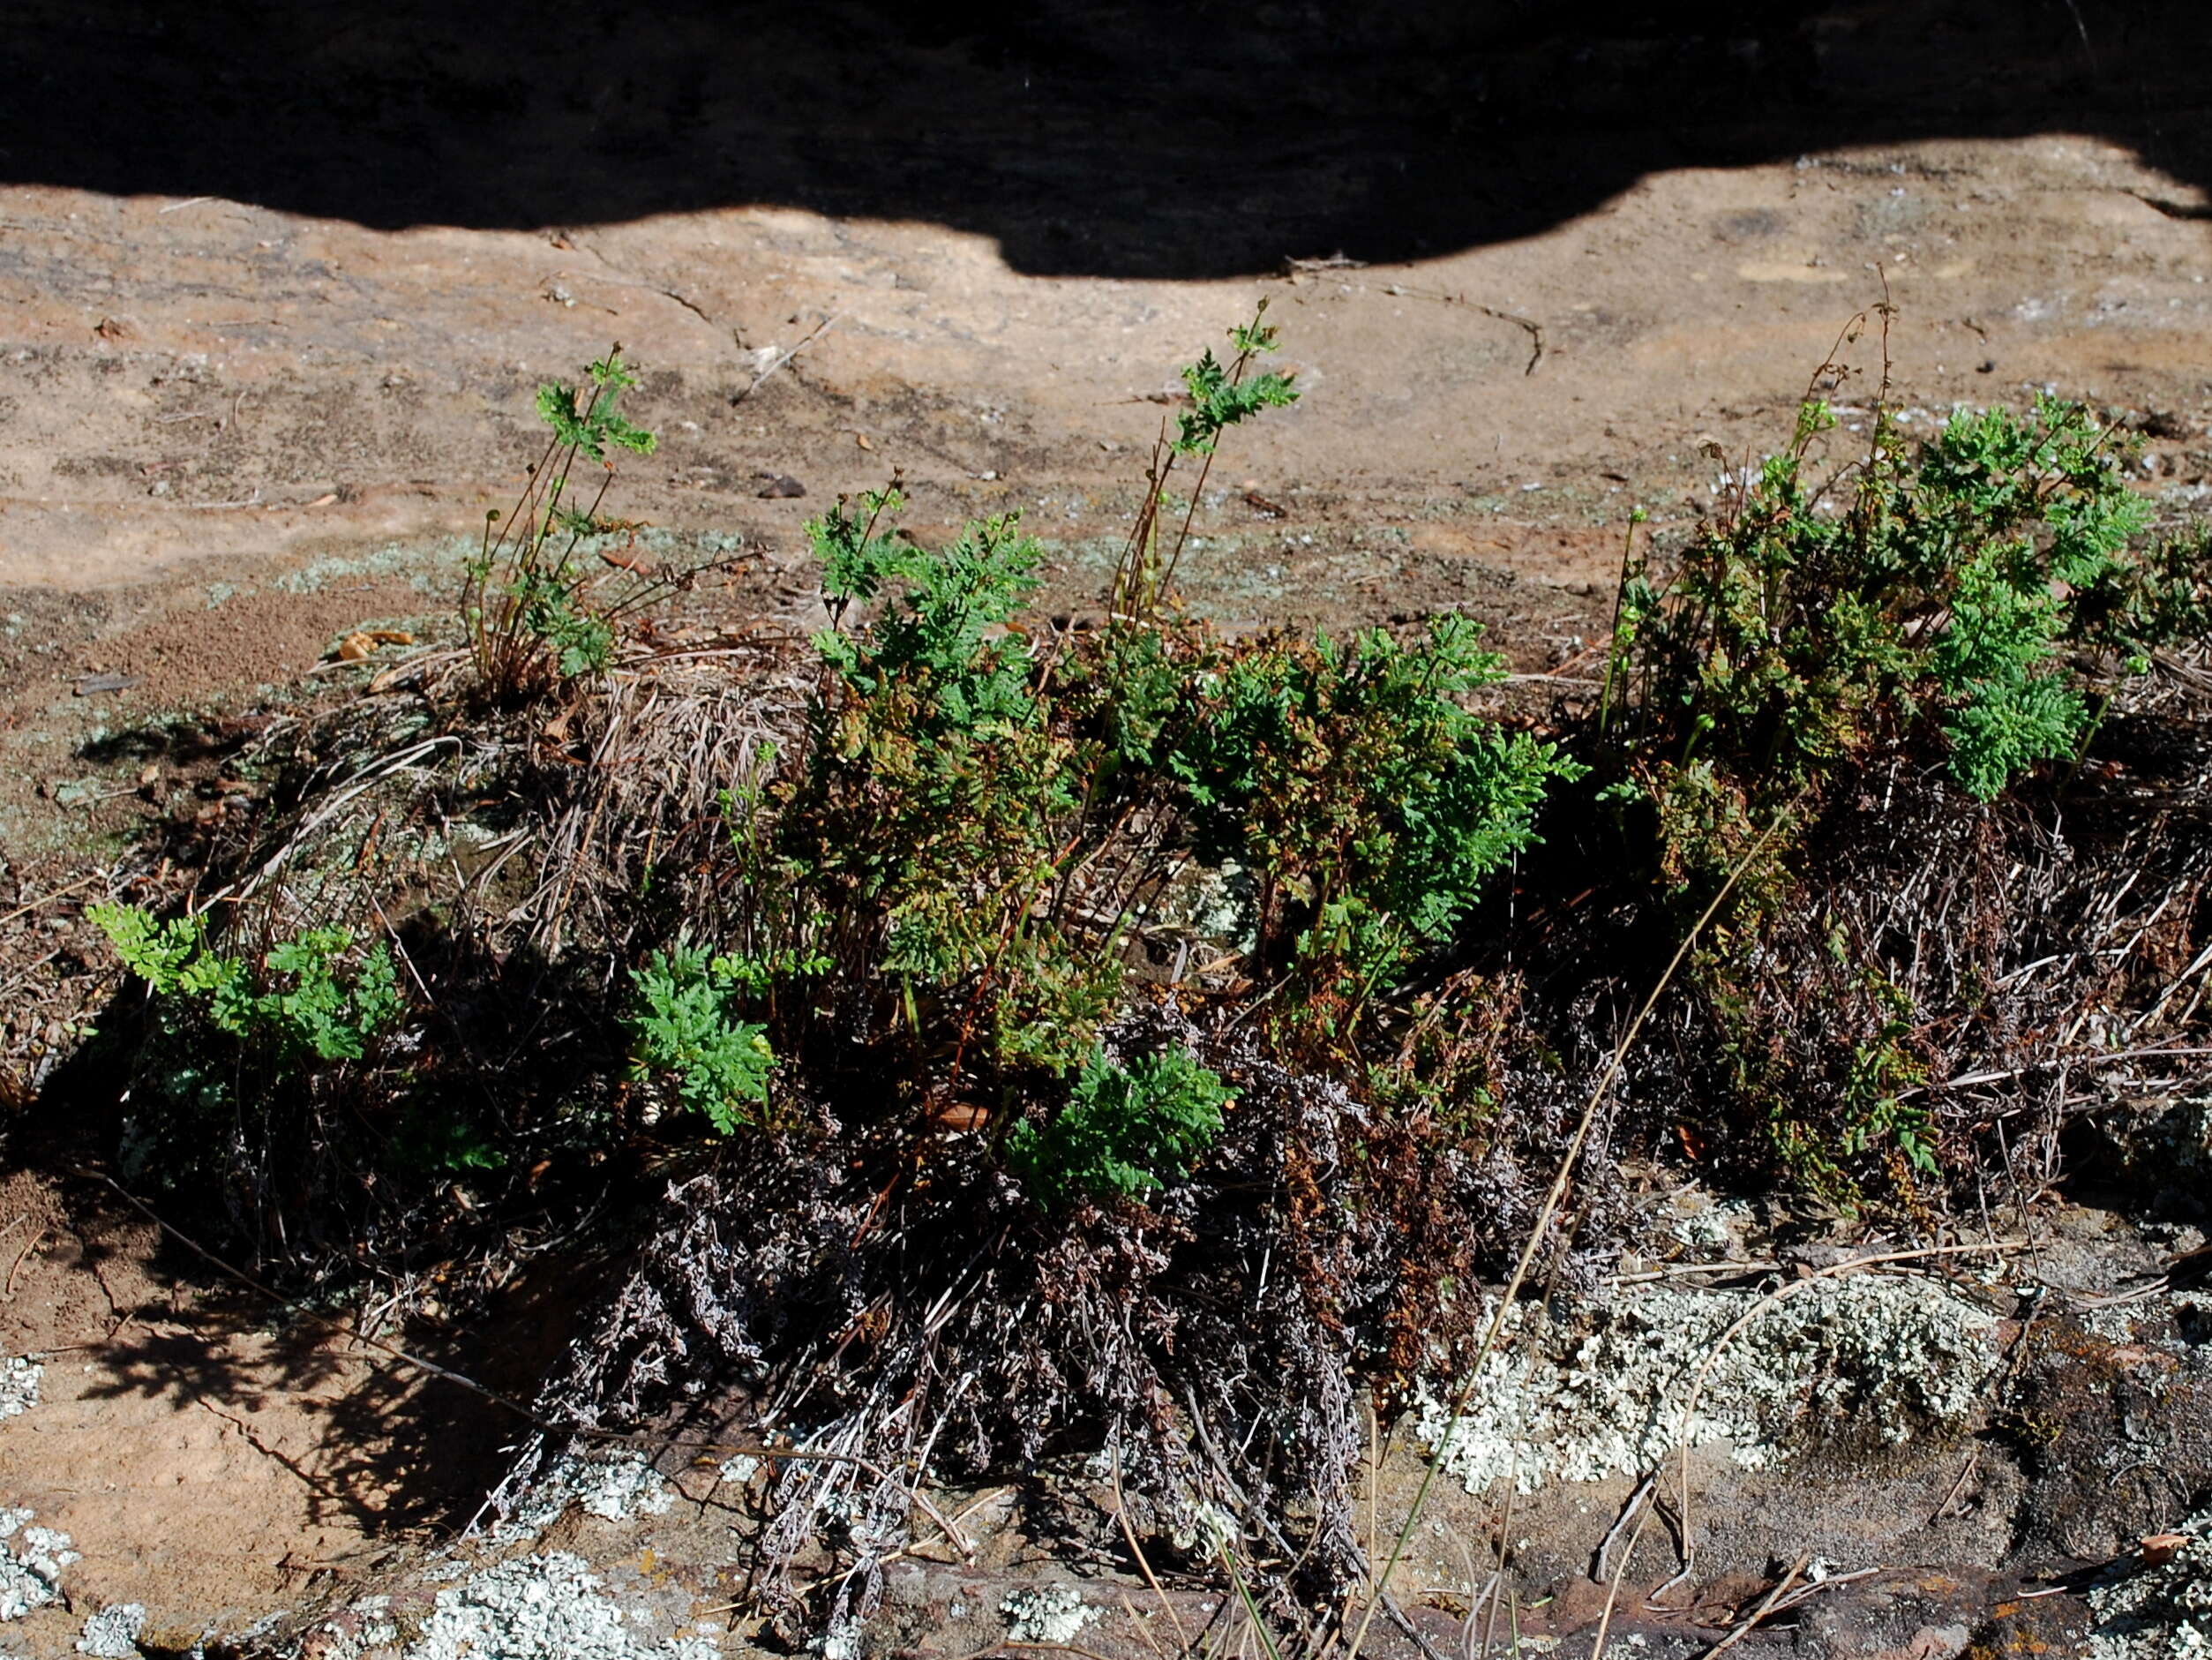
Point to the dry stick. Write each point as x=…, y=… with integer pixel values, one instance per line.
x=37, y=1240
x=1504, y=1548
x=1766, y=1606
x=1528, y=326
x=81, y=882
x=1137, y=1623
x=818, y=329
x=1553, y=1199
x=1374, y=1474
x=1629, y=1514
x=1973, y=1462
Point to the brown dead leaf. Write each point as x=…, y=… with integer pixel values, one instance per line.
x=961, y=1114
x=863, y=440
x=2159, y=1548
x=624, y=560
x=355, y=646
x=391, y=636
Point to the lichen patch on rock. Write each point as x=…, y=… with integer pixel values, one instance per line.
x=31, y=1564
x=1051, y=1614
x=542, y=1607
x=2163, y=1611
x=613, y=1488
x=112, y=1633
x=19, y=1380
x=1879, y=1359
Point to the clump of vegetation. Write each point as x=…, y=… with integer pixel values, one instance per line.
x=1114, y=1037
x=683, y=1027
x=1918, y=595
x=249, y=1049
x=527, y=609
x=976, y=836
x=1123, y=1129
x=301, y=1003
x=1852, y=674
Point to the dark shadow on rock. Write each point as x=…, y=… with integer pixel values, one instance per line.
x=1141, y=138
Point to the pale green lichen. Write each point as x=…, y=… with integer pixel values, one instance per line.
x=614, y=1487
x=546, y=1607
x=2163, y=1612
x=1052, y=1614
x=112, y=1633
x=1884, y=1359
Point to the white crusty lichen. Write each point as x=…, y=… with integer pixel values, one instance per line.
x=2162, y=1611
x=618, y=1488
x=112, y=1633
x=31, y=1564
x=614, y=1488
x=1883, y=1357
x=18, y=1385
x=1046, y=1613
x=544, y=1607
x=1714, y=1229
x=738, y=1470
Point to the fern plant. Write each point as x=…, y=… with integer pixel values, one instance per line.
x=310, y=998
x=1938, y=594
x=1372, y=802
x=682, y=1024
x=1122, y=1130
x=525, y=605
x=1924, y=608
x=1220, y=397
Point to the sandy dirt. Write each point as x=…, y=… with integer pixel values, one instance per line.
x=248, y=404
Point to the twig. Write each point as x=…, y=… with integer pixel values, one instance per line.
x=1973, y=1462
x=1629, y=1513
x=1967, y=1080
x=1138, y=1624
x=82, y=881
x=1812, y=1588
x=1677, y=1270
x=37, y=1240
x=1121, y=1515
x=1529, y=326
x=813, y=335
x=1743, y=1628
